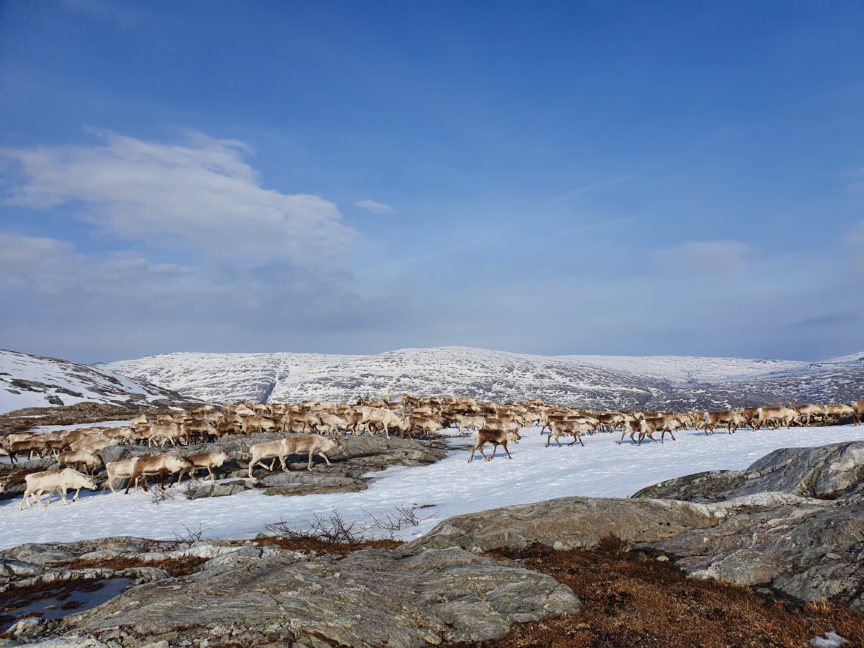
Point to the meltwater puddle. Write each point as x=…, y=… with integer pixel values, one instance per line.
x=57, y=600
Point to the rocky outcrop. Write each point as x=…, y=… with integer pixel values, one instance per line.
x=253, y=595
x=710, y=486
x=792, y=522
x=809, y=550
x=220, y=489
x=569, y=523
x=812, y=549
x=825, y=472
x=302, y=482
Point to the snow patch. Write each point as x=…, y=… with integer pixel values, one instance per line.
x=603, y=468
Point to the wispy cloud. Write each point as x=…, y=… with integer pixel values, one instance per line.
x=197, y=194
x=589, y=188
x=118, y=13
x=52, y=267
x=707, y=257
x=375, y=207
x=856, y=236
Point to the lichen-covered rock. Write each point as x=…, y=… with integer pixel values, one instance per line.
x=710, y=486
x=808, y=552
x=809, y=549
x=367, y=598
x=220, y=489
x=302, y=482
x=569, y=523
x=825, y=472
x=72, y=642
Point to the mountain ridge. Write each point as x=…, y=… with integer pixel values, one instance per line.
x=658, y=382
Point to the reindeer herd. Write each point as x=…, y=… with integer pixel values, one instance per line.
x=314, y=428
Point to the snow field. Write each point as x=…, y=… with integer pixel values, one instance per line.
x=603, y=468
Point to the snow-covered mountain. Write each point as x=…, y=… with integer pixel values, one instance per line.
x=593, y=381
x=35, y=381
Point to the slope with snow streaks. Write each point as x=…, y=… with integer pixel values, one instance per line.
x=690, y=369
x=661, y=382
x=220, y=377
x=835, y=380
x=489, y=375
x=481, y=373
x=36, y=381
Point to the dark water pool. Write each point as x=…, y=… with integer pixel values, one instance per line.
x=57, y=600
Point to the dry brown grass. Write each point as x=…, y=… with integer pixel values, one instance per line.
x=174, y=566
x=633, y=601
x=312, y=546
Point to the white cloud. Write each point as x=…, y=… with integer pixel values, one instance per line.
x=22, y=251
x=375, y=207
x=49, y=266
x=707, y=257
x=117, y=13
x=199, y=194
x=62, y=302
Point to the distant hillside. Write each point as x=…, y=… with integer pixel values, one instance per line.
x=34, y=381
x=658, y=382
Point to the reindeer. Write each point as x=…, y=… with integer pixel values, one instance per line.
x=469, y=423
x=119, y=470
x=78, y=458
x=162, y=465
x=496, y=438
x=208, y=460
x=54, y=481
x=574, y=427
x=311, y=443
x=773, y=417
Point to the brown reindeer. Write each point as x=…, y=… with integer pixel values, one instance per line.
x=496, y=438
x=161, y=465
x=205, y=460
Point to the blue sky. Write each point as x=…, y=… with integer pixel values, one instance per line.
x=352, y=177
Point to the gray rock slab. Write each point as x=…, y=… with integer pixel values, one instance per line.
x=368, y=598
x=825, y=472
x=568, y=523
x=811, y=553
x=220, y=489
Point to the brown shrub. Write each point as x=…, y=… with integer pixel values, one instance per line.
x=611, y=542
x=631, y=600
x=313, y=546
x=174, y=566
